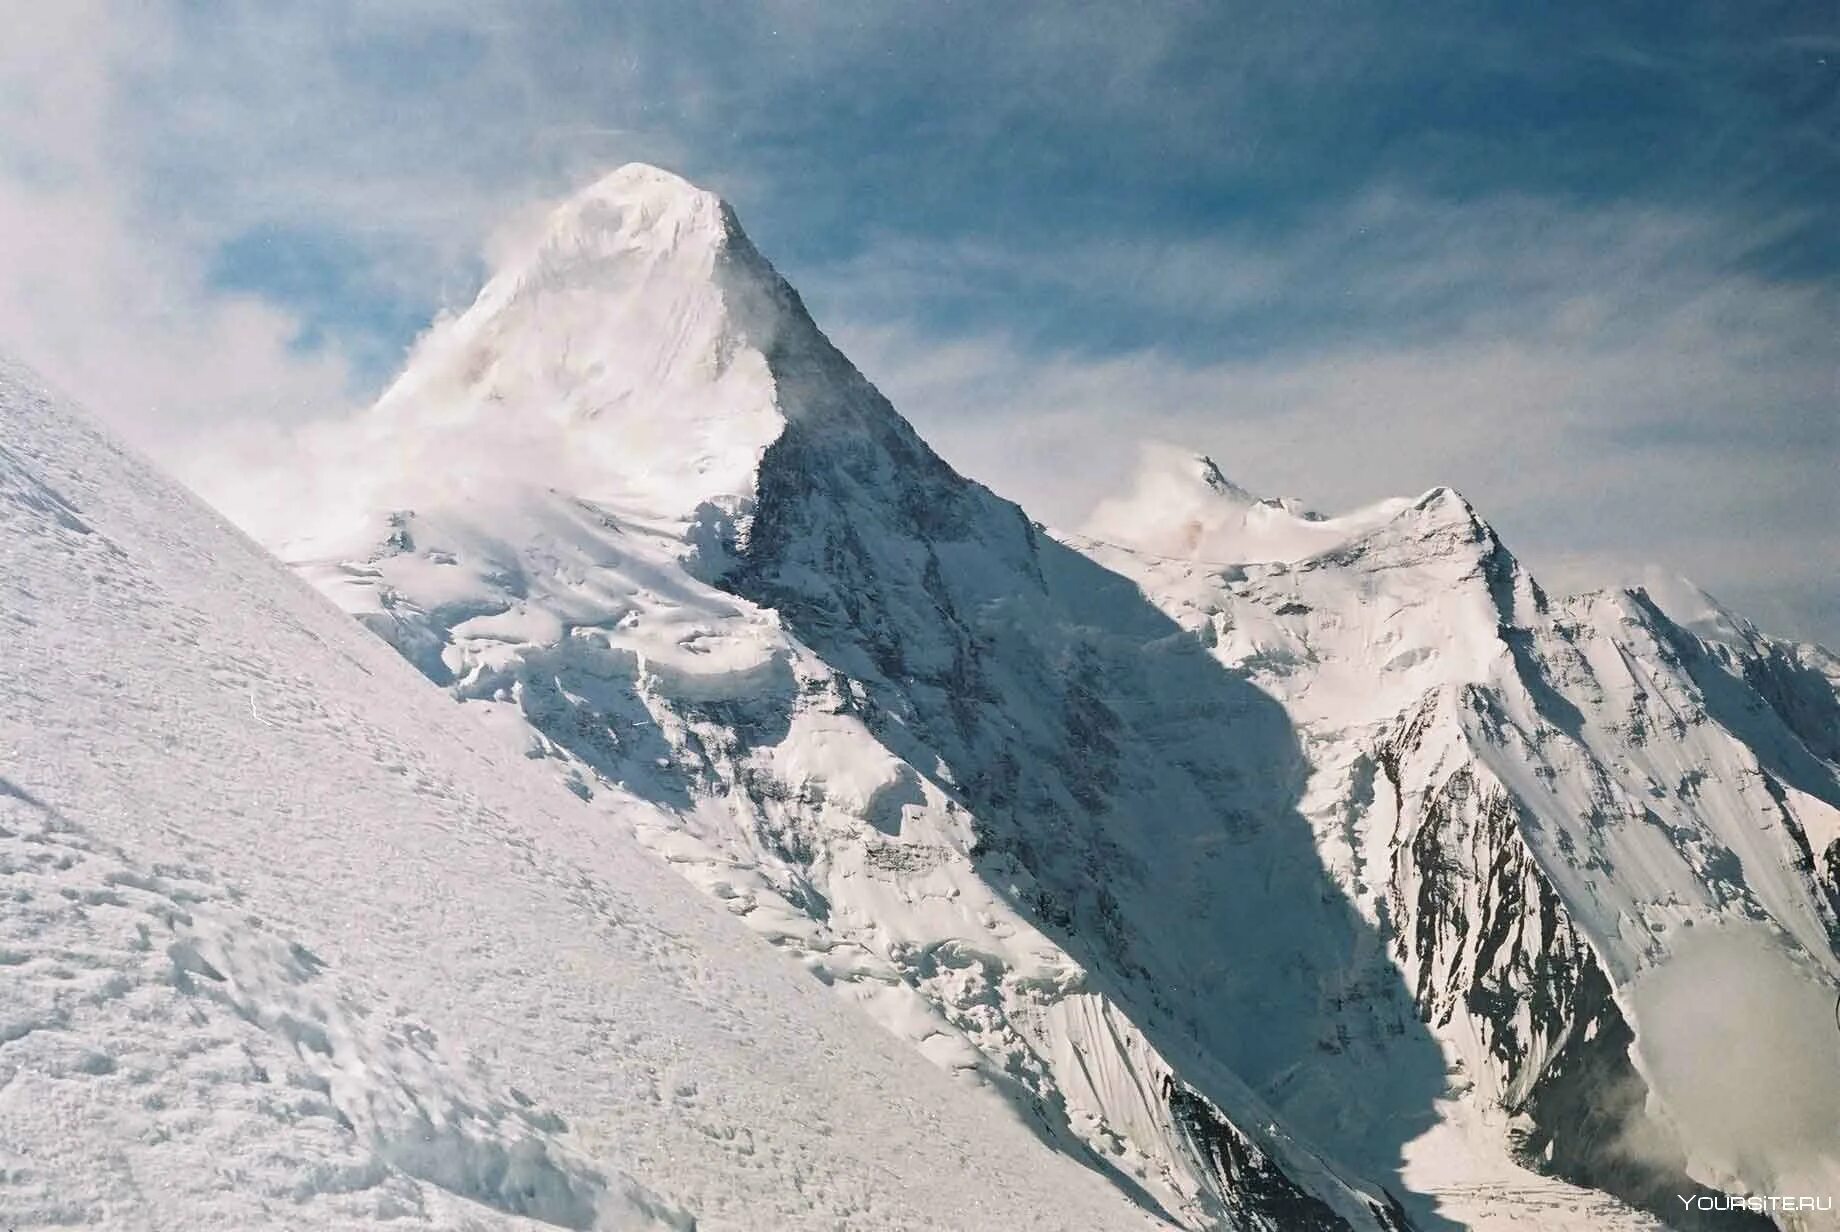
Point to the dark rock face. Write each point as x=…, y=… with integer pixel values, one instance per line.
x=1259, y=1196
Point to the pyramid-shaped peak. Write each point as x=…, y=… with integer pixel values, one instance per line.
x=643, y=186
x=1216, y=479
x=644, y=178
x=639, y=207
x=624, y=353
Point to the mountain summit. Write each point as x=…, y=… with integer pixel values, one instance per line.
x=1289, y=871
x=1184, y=507
x=621, y=352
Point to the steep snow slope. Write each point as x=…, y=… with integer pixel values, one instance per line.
x=288, y=939
x=1245, y=880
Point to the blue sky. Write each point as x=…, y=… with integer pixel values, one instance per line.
x=1578, y=260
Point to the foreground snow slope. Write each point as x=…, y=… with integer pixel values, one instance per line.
x=1293, y=872
x=288, y=939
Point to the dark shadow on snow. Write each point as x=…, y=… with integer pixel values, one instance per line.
x=1149, y=794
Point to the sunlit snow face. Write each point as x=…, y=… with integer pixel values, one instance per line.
x=609, y=353
x=617, y=355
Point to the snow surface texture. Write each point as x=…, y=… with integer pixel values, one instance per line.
x=288, y=940
x=1284, y=869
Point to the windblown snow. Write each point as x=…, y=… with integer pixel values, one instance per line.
x=1278, y=871
x=287, y=939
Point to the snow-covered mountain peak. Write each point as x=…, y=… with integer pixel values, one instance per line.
x=1446, y=499
x=1183, y=506
x=619, y=353
x=1217, y=480
x=1230, y=492
x=614, y=232
x=636, y=353
x=1693, y=609
x=652, y=194
x=1441, y=515
x=633, y=214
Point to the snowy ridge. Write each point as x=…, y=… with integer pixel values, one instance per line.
x=1173, y=835
x=1185, y=508
x=289, y=940
x=1567, y=791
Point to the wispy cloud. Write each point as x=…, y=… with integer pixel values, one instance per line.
x=1576, y=267
x=169, y=177
x=1606, y=384
x=122, y=316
